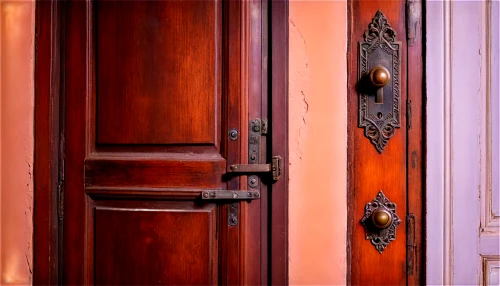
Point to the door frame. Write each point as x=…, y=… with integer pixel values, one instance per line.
x=48, y=147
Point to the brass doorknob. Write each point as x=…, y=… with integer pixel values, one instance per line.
x=381, y=218
x=379, y=76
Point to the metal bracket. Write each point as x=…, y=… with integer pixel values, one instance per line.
x=233, y=197
x=230, y=195
x=257, y=128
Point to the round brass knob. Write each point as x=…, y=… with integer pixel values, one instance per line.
x=381, y=218
x=379, y=76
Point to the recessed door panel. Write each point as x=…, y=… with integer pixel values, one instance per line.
x=158, y=71
x=171, y=243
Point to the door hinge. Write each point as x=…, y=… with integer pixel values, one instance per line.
x=410, y=244
x=413, y=12
x=60, y=183
x=60, y=200
x=408, y=114
x=263, y=126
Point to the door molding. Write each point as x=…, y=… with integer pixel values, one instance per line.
x=48, y=58
x=438, y=183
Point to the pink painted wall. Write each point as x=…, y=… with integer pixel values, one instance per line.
x=318, y=142
x=17, y=22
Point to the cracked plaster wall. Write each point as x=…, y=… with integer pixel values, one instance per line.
x=318, y=142
x=17, y=23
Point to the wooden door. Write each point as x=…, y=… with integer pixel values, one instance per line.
x=385, y=143
x=151, y=91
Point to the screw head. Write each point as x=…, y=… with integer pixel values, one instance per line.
x=233, y=134
x=233, y=220
x=252, y=183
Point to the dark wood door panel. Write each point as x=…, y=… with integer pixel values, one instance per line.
x=152, y=89
x=158, y=71
x=148, y=92
x=155, y=243
x=155, y=173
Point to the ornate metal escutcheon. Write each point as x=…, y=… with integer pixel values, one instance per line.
x=380, y=221
x=379, y=82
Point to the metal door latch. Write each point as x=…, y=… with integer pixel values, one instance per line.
x=230, y=195
x=274, y=168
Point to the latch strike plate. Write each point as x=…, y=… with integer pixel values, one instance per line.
x=229, y=195
x=274, y=168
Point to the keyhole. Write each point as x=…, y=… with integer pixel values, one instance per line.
x=380, y=115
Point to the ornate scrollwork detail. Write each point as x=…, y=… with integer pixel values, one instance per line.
x=380, y=31
x=379, y=46
x=380, y=237
x=379, y=136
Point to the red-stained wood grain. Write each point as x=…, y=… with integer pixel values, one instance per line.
x=152, y=89
x=368, y=171
x=158, y=82
x=141, y=243
x=155, y=173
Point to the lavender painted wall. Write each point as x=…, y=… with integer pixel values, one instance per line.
x=462, y=143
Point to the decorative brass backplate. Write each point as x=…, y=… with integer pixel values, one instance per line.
x=379, y=106
x=380, y=236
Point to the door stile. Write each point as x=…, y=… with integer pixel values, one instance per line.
x=231, y=235
x=265, y=268
x=75, y=95
x=255, y=212
x=90, y=135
